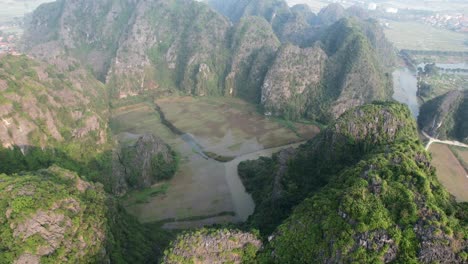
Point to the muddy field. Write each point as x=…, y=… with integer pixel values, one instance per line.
x=449, y=171
x=229, y=126
x=203, y=190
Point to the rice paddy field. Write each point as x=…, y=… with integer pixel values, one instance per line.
x=203, y=191
x=450, y=171
x=419, y=36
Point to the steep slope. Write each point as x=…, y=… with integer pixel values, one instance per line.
x=87, y=30
x=331, y=14
x=298, y=27
x=143, y=164
x=354, y=74
x=341, y=71
x=254, y=45
x=136, y=46
x=172, y=44
x=446, y=116
x=373, y=196
x=387, y=208
x=292, y=79
x=272, y=10
x=290, y=176
x=183, y=46
x=67, y=224
x=42, y=106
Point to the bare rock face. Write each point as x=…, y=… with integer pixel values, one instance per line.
x=446, y=116
x=213, y=246
x=46, y=216
x=294, y=76
x=141, y=165
x=254, y=44
x=42, y=105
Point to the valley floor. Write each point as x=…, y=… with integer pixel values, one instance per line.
x=452, y=171
x=204, y=190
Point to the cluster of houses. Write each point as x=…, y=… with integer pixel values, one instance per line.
x=7, y=45
x=457, y=22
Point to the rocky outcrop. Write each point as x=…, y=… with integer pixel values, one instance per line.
x=63, y=225
x=354, y=75
x=213, y=246
x=162, y=46
x=175, y=45
x=351, y=201
x=446, y=116
x=294, y=77
x=253, y=44
x=141, y=165
x=43, y=106
x=331, y=14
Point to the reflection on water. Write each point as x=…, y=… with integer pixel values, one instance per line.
x=190, y=139
x=405, y=88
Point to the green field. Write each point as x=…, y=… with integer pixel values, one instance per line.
x=443, y=83
x=449, y=171
x=419, y=36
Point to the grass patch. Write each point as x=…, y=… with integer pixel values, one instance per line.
x=457, y=151
x=419, y=36
x=144, y=195
x=195, y=218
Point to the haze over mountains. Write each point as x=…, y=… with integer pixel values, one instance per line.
x=202, y=53
x=362, y=191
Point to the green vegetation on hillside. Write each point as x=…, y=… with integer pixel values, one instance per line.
x=30, y=212
x=363, y=180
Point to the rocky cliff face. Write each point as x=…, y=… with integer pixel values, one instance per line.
x=42, y=106
x=172, y=44
x=88, y=30
x=67, y=224
x=161, y=47
x=294, y=76
x=254, y=44
x=141, y=165
x=213, y=246
x=354, y=75
x=446, y=116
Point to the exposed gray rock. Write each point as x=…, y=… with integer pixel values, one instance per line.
x=294, y=76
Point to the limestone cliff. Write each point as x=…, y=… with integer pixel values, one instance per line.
x=51, y=215
x=254, y=45
x=371, y=195
x=446, y=116
x=42, y=106
x=213, y=246
x=294, y=76
x=141, y=165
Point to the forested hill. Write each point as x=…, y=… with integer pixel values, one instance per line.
x=162, y=47
x=43, y=106
x=363, y=191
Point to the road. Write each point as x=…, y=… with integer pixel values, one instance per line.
x=446, y=142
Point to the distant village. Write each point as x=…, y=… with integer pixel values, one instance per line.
x=8, y=44
x=457, y=22
x=10, y=35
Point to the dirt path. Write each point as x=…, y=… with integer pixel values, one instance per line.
x=446, y=142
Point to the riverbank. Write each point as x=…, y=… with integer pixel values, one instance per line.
x=203, y=188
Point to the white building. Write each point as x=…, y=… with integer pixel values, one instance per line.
x=372, y=6
x=391, y=10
